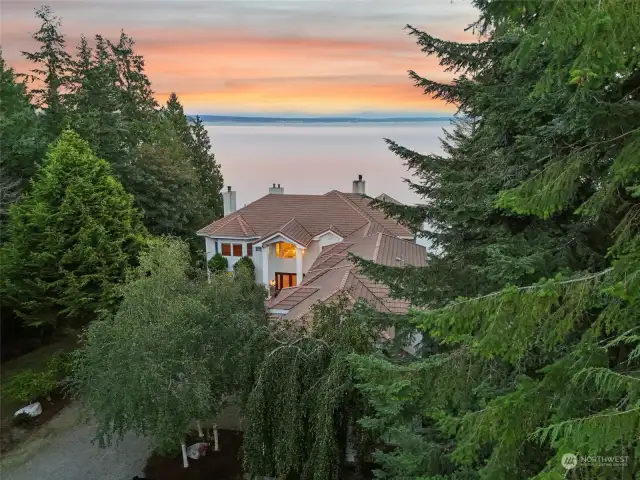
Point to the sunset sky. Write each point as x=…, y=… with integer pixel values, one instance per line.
x=265, y=56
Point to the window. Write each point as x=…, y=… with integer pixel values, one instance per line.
x=249, y=250
x=237, y=249
x=285, y=250
x=225, y=249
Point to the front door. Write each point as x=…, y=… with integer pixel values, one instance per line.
x=285, y=280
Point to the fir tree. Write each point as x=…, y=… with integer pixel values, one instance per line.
x=164, y=184
x=21, y=141
x=534, y=207
x=51, y=71
x=72, y=237
x=208, y=171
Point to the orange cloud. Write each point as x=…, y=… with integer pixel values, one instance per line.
x=238, y=70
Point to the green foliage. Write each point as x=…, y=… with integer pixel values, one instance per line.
x=529, y=303
x=166, y=358
x=104, y=94
x=218, y=263
x=21, y=141
x=207, y=170
x=72, y=237
x=51, y=70
x=298, y=394
x=244, y=262
x=28, y=385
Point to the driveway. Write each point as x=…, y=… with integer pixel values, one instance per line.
x=62, y=450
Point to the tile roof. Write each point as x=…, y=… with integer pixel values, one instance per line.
x=333, y=272
x=292, y=298
x=344, y=213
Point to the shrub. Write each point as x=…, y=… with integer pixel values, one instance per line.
x=28, y=385
x=218, y=263
x=245, y=262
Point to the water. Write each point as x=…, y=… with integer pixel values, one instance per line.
x=314, y=159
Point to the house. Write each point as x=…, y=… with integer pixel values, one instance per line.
x=299, y=245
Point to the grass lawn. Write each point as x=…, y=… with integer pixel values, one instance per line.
x=35, y=361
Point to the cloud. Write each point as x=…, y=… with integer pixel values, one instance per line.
x=323, y=52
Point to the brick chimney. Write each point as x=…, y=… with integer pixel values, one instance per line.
x=359, y=186
x=277, y=190
x=229, y=201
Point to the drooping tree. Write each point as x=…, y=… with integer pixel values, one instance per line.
x=50, y=72
x=72, y=236
x=166, y=358
x=534, y=206
x=298, y=395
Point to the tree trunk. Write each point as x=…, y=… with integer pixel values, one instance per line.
x=185, y=459
x=200, y=434
x=215, y=438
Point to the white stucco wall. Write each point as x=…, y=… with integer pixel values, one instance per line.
x=284, y=265
x=310, y=255
x=328, y=239
x=210, y=246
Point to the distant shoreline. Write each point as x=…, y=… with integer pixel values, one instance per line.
x=222, y=119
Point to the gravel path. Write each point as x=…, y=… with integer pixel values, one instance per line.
x=62, y=450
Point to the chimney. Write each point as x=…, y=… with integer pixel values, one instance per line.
x=277, y=190
x=229, y=201
x=358, y=186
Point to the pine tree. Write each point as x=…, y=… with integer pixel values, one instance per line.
x=72, y=236
x=534, y=206
x=51, y=71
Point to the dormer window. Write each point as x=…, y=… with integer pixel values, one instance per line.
x=285, y=250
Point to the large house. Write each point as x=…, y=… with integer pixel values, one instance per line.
x=299, y=245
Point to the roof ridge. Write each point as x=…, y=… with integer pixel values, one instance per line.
x=391, y=235
x=294, y=219
x=229, y=218
x=373, y=222
x=353, y=205
x=243, y=223
x=370, y=291
x=377, y=248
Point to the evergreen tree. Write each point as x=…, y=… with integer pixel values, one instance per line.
x=94, y=103
x=51, y=71
x=208, y=171
x=137, y=103
x=72, y=237
x=198, y=146
x=21, y=141
x=538, y=181
x=164, y=184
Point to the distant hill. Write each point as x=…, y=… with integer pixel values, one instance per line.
x=254, y=120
